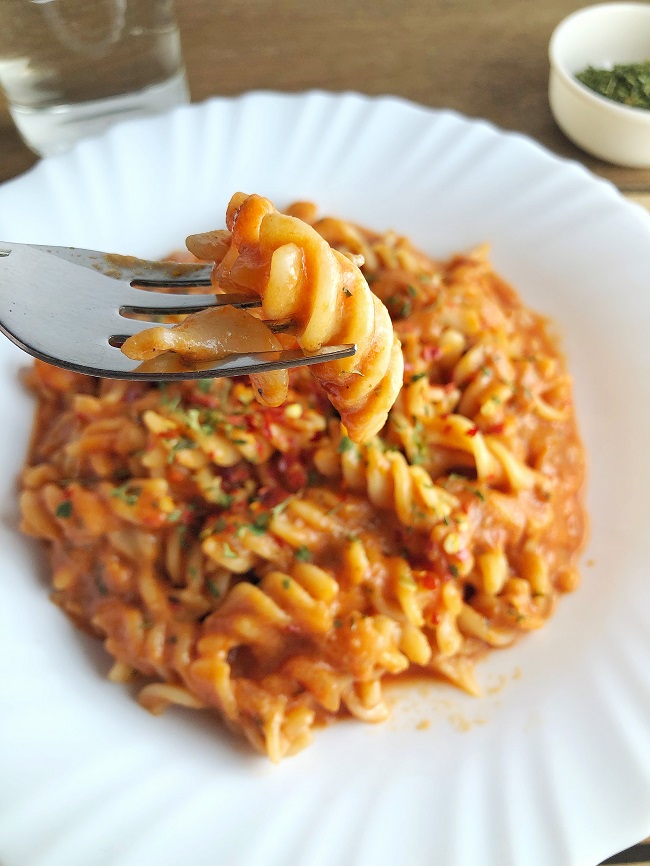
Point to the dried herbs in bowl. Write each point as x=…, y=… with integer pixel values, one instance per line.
x=628, y=83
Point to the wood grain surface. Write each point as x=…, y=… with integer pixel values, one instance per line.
x=485, y=60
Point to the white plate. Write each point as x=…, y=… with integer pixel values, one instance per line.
x=553, y=765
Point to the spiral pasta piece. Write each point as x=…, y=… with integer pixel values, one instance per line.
x=389, y=481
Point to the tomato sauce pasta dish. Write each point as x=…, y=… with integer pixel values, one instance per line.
x=406, y=510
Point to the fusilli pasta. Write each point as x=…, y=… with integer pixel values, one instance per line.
x=256, y=560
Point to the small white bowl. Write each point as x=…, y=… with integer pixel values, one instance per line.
x=601, y=36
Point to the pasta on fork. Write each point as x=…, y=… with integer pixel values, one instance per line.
x=321, y=294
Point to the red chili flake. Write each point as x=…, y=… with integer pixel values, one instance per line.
x=431, y=353
x=177, y=474
x=151, y=522
x=234, y=476
x=208, y=401
x=292, y=628
x=472, y=431
x=428, y=579
x=293, y=472
x=186, y=516
x=267, y=427
x=269, y=497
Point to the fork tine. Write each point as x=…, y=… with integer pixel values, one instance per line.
x=245, y=364
x=172, y=304
x=139, y=283
x=135, y=326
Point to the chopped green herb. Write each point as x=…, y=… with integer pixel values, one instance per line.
x=628, y=83
x=205, y=385
x=413, y=292
x=219, y=525
x=512, y=611
x=345, y=444
x=224, y=500
x=479, y=495
x=228, y=552
x=260, y=524
x=64, y=509
x=338, y=623
x=182, y=535
x=171, y=403
x=213, y=589
x=418, y=376
x=193, y=420
x=303, y=553
x=127, y=494
x=279, y=508
x=419, y=455
x=401, y=306
x=453, y=569
x=182, y=444
x=313, y=477
x=175, y=515
x=286, y=583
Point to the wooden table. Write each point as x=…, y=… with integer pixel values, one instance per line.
x=483, y=59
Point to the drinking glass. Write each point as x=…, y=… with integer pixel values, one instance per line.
x=69, y=68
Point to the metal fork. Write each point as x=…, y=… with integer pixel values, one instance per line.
x=70, y=307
